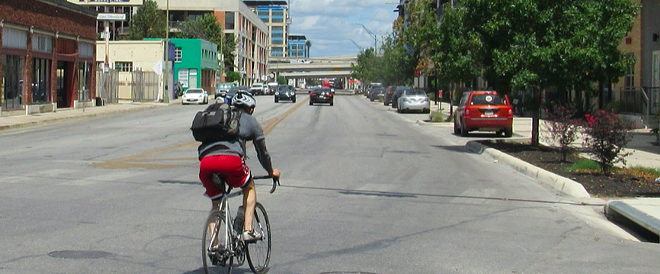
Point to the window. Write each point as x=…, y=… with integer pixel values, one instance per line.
x=277, y=41
x=11, y=87
x=278, y=29
x=629, y=81
x=40, y=80
x=124, y=66
x=43, y=43
x=229, y=20
x=177, y=54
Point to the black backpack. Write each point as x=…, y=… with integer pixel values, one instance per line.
x=218, y=122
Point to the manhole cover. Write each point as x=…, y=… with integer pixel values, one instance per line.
x=79, y=254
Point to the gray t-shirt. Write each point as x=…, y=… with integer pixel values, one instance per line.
x=249, y=130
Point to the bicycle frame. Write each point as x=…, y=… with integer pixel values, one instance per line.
x=233, y=246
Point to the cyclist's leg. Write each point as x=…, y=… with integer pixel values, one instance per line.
x=249, y=203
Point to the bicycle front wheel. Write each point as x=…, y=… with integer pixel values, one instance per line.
x=216, y=248
x=258, y=253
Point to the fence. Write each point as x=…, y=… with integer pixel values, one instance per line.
x=107, y=85
x=145, y=86
x=641, y=101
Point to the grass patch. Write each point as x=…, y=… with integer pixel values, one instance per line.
x=646, y=172
x=584, y=165
x=436, y=116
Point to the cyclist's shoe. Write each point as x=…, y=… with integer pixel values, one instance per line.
x=251, y=236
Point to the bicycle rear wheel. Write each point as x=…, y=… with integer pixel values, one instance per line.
x=258, y=253
x=216, y=248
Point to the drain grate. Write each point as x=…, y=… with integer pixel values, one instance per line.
x=79, y=254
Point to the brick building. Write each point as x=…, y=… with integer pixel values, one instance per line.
x=48, y=50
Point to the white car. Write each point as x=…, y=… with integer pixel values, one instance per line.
x=257, y=89
x=195, y=96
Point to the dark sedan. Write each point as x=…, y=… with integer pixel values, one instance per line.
x=285, y=93
x=321, y=95
x=397, y=93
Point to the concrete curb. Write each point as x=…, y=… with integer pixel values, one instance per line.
x=623, y=210
x=560, y=183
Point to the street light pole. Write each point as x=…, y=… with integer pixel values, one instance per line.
x=166, y=98
x=372, y=35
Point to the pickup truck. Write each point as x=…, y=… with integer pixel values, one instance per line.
x=257, y=89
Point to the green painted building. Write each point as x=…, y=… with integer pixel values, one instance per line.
x=196, y=63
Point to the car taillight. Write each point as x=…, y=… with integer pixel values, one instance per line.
x=510, y=114
x=426, y=100
x=467, y=112
x=329, y=94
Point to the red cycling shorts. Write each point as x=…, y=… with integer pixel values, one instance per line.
x=232, y=168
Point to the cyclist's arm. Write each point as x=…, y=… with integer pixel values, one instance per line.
x=262, y=155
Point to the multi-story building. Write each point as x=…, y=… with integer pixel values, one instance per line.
x=250, y=32
x=47, y=51
x=298, y=46
x=276, y=16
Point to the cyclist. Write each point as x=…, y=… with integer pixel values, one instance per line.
x=227, y=158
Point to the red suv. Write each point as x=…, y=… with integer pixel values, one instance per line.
x=483, y=111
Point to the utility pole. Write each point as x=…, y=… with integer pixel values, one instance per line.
x=166, y=98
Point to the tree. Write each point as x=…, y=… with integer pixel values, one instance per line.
x=209, y=29
x=308, y=45
x=548, y=45
x=232, y=76
x=420, y=33
x=148, y=22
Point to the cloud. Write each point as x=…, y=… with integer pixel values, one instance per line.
x=332, y=24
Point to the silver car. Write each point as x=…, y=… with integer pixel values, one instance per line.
x=413, y=100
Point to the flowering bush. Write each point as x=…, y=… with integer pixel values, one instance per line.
x=605, y=136
x=563, y=128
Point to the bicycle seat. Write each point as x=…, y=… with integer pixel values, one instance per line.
x=218, y=180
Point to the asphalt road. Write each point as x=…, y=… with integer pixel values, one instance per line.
x=364, y=190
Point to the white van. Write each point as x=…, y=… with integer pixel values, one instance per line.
x=272, y=87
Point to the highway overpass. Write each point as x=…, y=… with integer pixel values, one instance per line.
x=319, y=67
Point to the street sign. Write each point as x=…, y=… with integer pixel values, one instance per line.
x=111, y=17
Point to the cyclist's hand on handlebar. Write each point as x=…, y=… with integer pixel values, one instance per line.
x=276, y=173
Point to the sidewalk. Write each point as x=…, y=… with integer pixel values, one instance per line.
x=20, y=121
x=643, y=152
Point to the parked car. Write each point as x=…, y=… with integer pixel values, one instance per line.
x=195, y=96
x=414, y=100
x=397, y=92
x=376, y=93
x=483, y=111
x=321, y=95
x=387, y=96
x=222, y=89
x=371, y=86
x=286, y=93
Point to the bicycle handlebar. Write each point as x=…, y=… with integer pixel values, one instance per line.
x=275, y=181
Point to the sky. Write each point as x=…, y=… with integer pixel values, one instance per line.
x=330, y=25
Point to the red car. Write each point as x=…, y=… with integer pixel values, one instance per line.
x=483, y=111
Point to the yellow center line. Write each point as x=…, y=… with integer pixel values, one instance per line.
x=145, y=161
